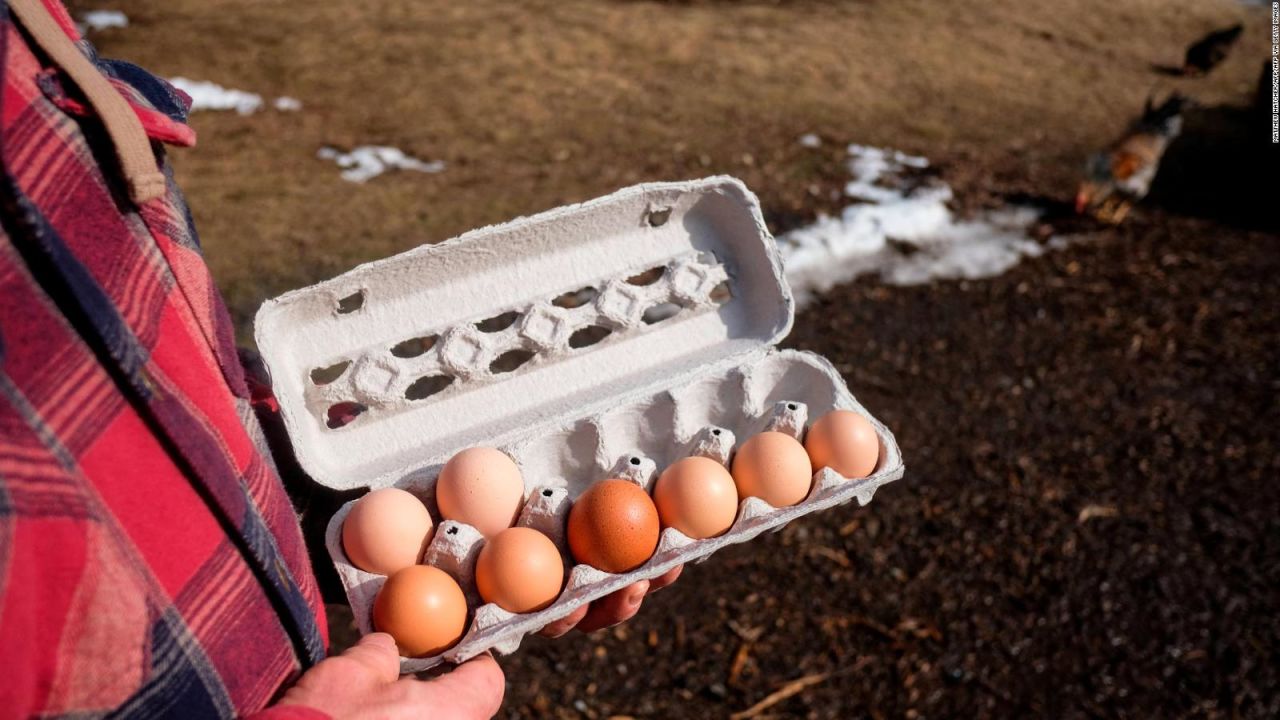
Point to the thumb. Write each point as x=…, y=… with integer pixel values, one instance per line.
x=377, y=653
x=475, y=688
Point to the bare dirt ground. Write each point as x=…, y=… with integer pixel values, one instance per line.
x=1089, y=525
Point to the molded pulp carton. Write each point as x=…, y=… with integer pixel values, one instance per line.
x=606, y=339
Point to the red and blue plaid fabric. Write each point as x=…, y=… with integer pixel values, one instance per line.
x=150, y=562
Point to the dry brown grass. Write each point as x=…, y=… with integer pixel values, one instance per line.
x=537, y=103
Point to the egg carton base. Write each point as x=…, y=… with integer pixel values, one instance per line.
x=495, y=629
x=456, y=545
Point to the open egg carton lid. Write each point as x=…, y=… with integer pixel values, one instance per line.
x=396, y=365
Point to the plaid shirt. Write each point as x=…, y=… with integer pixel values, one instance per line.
x=150, y=562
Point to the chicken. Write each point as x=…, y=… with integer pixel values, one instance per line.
x=1120, y=176
x=1210, y=50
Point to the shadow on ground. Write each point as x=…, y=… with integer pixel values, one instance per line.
x=1223, y=168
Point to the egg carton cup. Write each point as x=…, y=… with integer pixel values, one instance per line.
x=606, y=339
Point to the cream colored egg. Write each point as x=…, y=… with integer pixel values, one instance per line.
x=481, y=487
x=386, y=530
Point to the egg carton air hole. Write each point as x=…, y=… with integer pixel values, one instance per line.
x=779, y=392
x=508, y=345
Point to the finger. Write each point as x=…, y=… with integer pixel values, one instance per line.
x=665, y=579
x=473, y=690
x=556, y=628
x=613, y=609
x=559, y=627
x=377, y=653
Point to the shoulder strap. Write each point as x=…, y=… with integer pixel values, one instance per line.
x=132, y=146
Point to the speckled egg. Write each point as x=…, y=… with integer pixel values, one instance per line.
x=613, y=526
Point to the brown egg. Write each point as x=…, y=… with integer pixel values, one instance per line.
x=613, y=526
x=773, y=467
x=696, y=496
x=386, y=530
x=481, y=487
x=423, y=609
x=520, y=570
x=844, y=441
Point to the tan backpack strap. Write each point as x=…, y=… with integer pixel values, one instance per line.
x=132, y=146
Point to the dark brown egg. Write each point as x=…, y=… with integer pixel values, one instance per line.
x=613, y=526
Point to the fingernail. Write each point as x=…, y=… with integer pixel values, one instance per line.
x=379, y=638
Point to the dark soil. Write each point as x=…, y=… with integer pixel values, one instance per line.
x=1089, y=524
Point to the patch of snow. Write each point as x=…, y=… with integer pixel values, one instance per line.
x=810, y=140
x=287, y=104
x=95, y=20
x=906, y=236
x=211, y=96
x=369, y=161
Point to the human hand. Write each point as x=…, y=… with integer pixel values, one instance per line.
x=611, y=609
x=364, y=682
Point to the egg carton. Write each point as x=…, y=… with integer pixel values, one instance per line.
x=606, y=339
